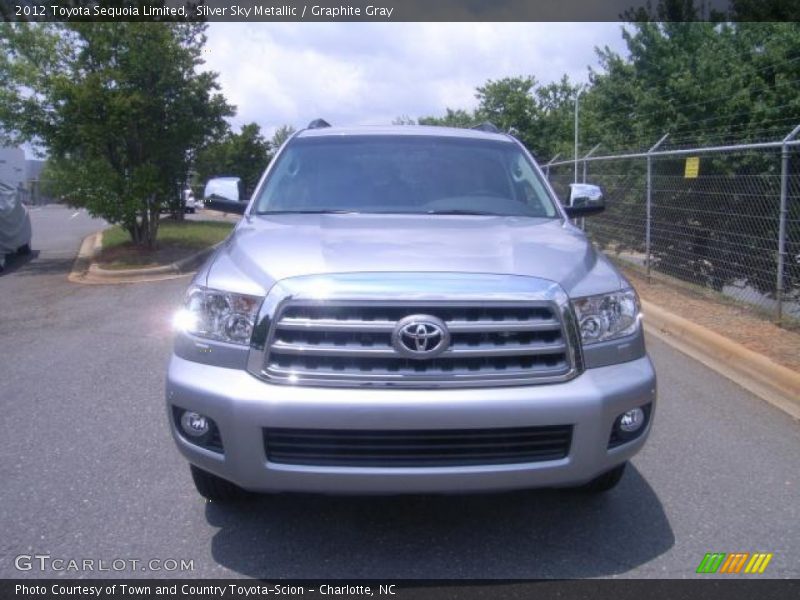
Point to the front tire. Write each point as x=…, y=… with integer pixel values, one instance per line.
x=24, y=250
x=605, y=482
x=215, y=488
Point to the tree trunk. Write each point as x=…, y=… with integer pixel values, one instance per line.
x=132, y=231
x=144, y=228
x=152, y=230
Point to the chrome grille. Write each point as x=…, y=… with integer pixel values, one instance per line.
x=349, y=343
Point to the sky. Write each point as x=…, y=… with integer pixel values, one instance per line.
x=372, y=73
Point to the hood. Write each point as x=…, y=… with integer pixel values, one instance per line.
x=266, y=249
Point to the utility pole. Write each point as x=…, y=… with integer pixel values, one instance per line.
x=578, y=93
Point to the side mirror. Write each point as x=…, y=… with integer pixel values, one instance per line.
x=221, y=204
x=584, y=200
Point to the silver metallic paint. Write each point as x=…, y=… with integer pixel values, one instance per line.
x=378, y=256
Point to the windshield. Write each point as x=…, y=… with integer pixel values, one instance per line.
x=404, y=174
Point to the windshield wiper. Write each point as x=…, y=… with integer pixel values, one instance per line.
x=307, y=212
x=457, y=211
x=454, y=211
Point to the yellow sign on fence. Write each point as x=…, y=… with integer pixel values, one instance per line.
x=692, y=167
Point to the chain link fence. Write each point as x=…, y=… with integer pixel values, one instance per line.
x=725, y=219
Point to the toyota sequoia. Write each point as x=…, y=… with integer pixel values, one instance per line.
x=408, y=310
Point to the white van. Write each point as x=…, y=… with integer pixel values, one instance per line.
x=15, y=224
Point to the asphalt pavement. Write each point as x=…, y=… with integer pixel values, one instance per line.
x=89, y=471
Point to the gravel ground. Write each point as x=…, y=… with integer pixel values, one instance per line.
x=734, y=322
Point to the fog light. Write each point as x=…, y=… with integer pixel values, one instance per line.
x=195, y=424
x=631, y=420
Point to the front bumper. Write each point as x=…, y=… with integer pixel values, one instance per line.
x=242, y=406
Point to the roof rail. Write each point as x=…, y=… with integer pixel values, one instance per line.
x=487, y=127
x=318, y=124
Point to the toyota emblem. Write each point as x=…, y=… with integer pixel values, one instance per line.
x=420, y=337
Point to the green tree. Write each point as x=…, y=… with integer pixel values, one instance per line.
x=539, y=115
x=245, y=154
x=404, y=120
x=282, y=133
x=764, y=10
x=452, y=118
x=509, y=104
x=120, y=109
x=554, y=120
x=705, y=84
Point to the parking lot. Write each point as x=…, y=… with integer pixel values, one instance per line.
x=89, y=470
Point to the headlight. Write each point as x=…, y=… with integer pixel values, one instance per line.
x=607, y=316
x=218, y=315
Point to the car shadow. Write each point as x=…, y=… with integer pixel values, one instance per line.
x=15, y=262
x=514, y=535
x=32, y=265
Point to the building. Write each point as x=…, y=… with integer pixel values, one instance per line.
x=33, y=169
x=13, y=167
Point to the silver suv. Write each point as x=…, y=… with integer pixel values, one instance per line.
x=408, y=309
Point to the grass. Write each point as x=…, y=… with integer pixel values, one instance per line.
x=176, y=240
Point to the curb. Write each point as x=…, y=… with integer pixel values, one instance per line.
x=83, y=260
x=774, y=383
x=85, y=270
